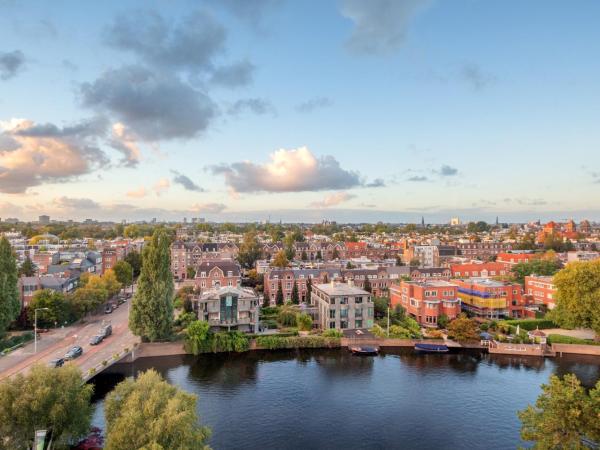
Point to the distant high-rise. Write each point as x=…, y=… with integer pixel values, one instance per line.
x=44, y=220
x=422, y=221
x=454, y=222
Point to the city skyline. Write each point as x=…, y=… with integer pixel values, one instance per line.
x=299, y=111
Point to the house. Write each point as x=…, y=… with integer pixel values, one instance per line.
x=487, y=298
x=424, y=255
x=212, y=274
x=426, y=301
x=342, y=306
x=228, y=308
x=512, y=259
x=430, y=273
x=29, y=285
x=482, y=250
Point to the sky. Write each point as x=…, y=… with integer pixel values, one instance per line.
x=300, y=110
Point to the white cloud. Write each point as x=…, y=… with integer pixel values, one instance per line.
x=288, y=171
x=333, y=200
x=125, y=142
x=209, y=208
x=137, y=193
x=161, y=186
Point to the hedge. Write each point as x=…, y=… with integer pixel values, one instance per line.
x=276, y=342
x=16, y=340
x=531, y=324
x=560, y=339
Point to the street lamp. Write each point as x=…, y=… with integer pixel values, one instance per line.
x=35, y=327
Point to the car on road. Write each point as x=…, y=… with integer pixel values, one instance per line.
x=58, y=362
x=121, y=300
x=105, y=331
x=74, y=352
x=95, y=340
x=108, y=309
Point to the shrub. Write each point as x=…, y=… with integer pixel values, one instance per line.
x=199, y=339
x=333, y=333
x=530, y=324
x=560, y=339
x=304, y=322
x=287, y=317
x=277, y=342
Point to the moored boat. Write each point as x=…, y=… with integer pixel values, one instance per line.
x=431, y=348
x=364, y=351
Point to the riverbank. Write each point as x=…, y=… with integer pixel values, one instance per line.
x=156, y=349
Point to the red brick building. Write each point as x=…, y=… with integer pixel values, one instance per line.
x=541, y=290
x=217, y=274
x=426, y=301
x=484, y=270
x=512, y=259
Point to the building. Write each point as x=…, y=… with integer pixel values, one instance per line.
x=424, y=255
x=229, y=308
x=430, y=273
x=29, y=285
x=483, y=270
x=490, y=299
x=512, y=259
x=211, y=274
x=426, y=301
x=482, y=250
x=44, y=220
x=582, y=256
x=191, y=254
x=342, y=306
x=541, y=289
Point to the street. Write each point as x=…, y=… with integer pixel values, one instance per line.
x=55, y=343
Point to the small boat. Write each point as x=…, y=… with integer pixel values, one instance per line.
x=431, y=348
x=364, y=351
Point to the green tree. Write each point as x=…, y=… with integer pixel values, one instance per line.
x=537, y=267
x=190, y=272
x=111, y=283
x=335, y=254
x=10, y=304
x=304, y=322
x=308, y=299
x=249, y=251
x=151, y=315
x=564, y=415
x=304, y=255
x=58, y=308
x=135, y=261
x=295, y=294
x=442, y=321
x=87, y=299
x=279, y=296
x=28, y=268
x=124, y=273
x=578, y=296
x=367, y=286
x=319, y=255
x=149, y=413
x=45, y=398
x=463, y=329
x=380, y=307
x=280, y=259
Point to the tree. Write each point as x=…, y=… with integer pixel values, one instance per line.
x=135, y=261
x=304, y=322
x=111, y=284
x=123, y=272
x=442, y=321
x=578, y=296
x=295, y=294
x=280, y=259
x=45, y=398
x=367, y=286
x=463, y=329
x=308, y=291
x=28, y=268
x=380, y=307
x=87, y=299
x=149, y=413
x=190, y=272
x=335, y=254
x=319, y=255
x=279, y=296
x=304, y=255
x=58, y=308
x=249, y=250
x=537, y=267
x=151, y=315
x=10, y=305
x=564, y=415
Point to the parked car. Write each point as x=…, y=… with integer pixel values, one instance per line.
x=121, y=300
x=108, y=309
x=75, y=352
x=114, y=306
x=58, y=362
x=105, y=331
x=95, y=340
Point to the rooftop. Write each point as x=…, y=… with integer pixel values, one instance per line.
x=335, y=288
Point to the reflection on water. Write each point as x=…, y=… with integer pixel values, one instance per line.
x=330, y=399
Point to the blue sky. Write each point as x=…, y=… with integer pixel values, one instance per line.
x=300, y=110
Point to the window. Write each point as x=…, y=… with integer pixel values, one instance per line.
x=344, y=301
x=358, y=300
x=332, y=313
x=358, y=323
x=343, y=324
x=332, y=300
x=358, y=312
x=331, y=324
x=344, y=312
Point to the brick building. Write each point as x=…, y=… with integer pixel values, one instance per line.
x=492, y=299
x=483, y=270
x=482, y=250
x=541, y=289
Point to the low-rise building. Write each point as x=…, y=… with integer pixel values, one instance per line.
x=229, y=308
x=426, y=301
x=483, y=270
x=212, y=274
x=342, y=306
x=487, y=298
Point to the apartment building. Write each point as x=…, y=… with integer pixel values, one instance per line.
x=342, y=306
x=228, y=308
x=191, y=254
x=430, y=273
x=541, y=289
x=482, y=250
x=425, y=255
x=512, y=259
x=487, y=298
x=426, y=301
x=483, y=270
x=217, y=274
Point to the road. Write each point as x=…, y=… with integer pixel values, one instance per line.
x=56, y=343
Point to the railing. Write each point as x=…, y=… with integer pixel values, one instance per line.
x=117, y=356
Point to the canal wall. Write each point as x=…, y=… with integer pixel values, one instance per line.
x=576, y=349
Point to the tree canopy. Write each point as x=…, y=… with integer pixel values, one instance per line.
x=28, y=268
x=135, y=261
x=10, y=304
x=151, y=314
x=58, y=307
x=463, y=329
x=123, y=272
x=280, y=259
x=578, y=295
x=249, y=251
x=564, y=415
x=149, y=413
x=537, y=267
x=45, y=398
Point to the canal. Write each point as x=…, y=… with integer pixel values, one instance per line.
x=328, y=399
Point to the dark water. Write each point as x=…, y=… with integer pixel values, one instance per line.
x=331, y=400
